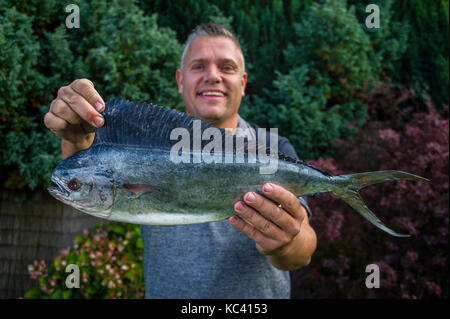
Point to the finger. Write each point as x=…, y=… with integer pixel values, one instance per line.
x=264, y=225
x=251, y=231
x=265, y=245
x=85, y=88
x=285, y=198
x=54, y=123
x=80, y=106
x=273, y=212
x=62, y=110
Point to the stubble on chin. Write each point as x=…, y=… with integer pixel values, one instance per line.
x=209, y=115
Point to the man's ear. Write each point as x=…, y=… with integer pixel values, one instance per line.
x=244, y=82
x=179, y=77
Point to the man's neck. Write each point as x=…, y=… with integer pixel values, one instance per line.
x=229, y=123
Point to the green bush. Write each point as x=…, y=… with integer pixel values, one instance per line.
x=329, y=64
x=110, y=260
x=387, y=43
x=125, y=55
x=333, y=64
x=26, y=151
x=424, y=66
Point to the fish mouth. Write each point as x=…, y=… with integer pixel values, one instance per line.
x=58, y=191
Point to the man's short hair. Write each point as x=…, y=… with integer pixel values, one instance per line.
x=211, y=29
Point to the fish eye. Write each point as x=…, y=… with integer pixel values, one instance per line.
x=74, y=184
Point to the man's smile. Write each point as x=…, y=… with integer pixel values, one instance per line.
x=211, y=93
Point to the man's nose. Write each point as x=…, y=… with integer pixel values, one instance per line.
x=212, y=74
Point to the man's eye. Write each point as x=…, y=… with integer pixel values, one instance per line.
x=227, y=68
x=197, y=67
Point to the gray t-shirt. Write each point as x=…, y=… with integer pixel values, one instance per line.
x=211, y=260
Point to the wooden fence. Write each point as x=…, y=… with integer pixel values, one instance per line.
x=34, y=230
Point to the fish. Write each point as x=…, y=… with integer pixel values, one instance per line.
x=138, y=171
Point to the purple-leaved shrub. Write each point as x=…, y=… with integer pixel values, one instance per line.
x=398, y=136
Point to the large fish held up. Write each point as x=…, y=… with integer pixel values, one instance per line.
x=133, y=173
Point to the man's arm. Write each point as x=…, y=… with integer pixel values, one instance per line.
x=283, y=233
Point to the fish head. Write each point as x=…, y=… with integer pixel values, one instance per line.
x=88, y=188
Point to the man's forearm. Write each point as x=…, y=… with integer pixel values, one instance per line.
x=298, y=253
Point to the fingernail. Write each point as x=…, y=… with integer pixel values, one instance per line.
x=99, y=106
x=239, y=207
x=250, y=197
x=98, y=121
x=268, y=188
x=233, y=220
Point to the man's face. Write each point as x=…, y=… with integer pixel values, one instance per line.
x=213, y=80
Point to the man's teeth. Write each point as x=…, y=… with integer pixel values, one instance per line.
x=212, y=94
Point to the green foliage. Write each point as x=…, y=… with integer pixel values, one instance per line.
x=125, y=55
x=110, y=264
x=424, y=66
x=389, y=42
x=128, y=55
x=183, y=15
x=329, y=65
x=445, y=5
x=333, y=62
x=27, y=152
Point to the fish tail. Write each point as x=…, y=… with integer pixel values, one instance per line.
x=350, y=184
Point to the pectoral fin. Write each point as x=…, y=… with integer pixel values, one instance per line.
x=136, y=190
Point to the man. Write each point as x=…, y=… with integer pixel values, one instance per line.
x=271, y=233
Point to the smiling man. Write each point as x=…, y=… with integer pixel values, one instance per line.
x=250, y=254
x=212, y=79
x=223, y=263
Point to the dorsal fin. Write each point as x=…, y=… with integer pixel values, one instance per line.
x=142, y=125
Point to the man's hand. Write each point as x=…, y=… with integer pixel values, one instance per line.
x=282, y=232
x=74, y=114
